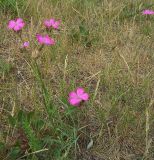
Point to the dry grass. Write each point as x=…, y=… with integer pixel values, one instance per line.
x=102, y=47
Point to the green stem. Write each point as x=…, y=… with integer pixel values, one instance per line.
x=46, y=95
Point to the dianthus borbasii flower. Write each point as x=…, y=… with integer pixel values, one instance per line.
x=25, y=44
x=148, y=12
x=45, y=40
x=52, y=23
x=78, y=96
x=16, y=25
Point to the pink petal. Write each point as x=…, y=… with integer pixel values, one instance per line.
x=52, y=21
x=52, y=41
x=72, y=95
x=79, y=91
x=146, y=12
x=11, y=24
x=19, y=20
x=25, y=44
x=21, y=25
x=75, y=101
x=17, y=28
x=56, y=25
x=84, y=96
x=40, y=38
x=47, y=23
x=48, y=40
x=45, y=39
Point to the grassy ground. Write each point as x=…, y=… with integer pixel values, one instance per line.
x=105, y=46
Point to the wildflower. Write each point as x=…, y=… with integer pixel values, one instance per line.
x=48, y=23
x=16, y=25
x=55, y=24
x=45, y=40
x=52, y=23
x=25, y=44
x=148, y=12
x=78, y=96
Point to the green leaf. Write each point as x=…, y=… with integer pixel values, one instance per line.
x=70, y=110
x=39, y=123
x=12, y=120
x=4, y=67
x=34, y=142
x=2, y=146
x=30, y=115
x=20, y=116
x=14, y=153
x=83, y=30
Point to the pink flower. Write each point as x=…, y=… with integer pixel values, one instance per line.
x=25, y=44
x=48, y=23
x=52, y=23
x=76, y=97
x=16, y=25
x=55, y=24
x=45, y=40
x=145, y=12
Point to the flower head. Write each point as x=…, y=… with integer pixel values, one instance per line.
x=55, y=24
x=52, y=23
x=76, y=97
x=148, y=12
x=25, y=44
x=16, y=25
x=45, y=40
x=47, y=23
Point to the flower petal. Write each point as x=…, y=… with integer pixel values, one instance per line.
x=11, y=24
x=56, y=25
x=19, y=20
x=52, y=21
x=75, y=101
x=72, y=95
x=40, y=38
x=21, y=25
x=84, y=96
x=48, y=40
x=79, y=91
x=17, y=28
x=25, y=44
x=146, y=12
x=47, y=23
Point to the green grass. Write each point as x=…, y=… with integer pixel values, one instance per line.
x=105, y=47
x=12, y=6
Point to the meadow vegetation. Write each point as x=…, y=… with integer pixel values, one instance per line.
x=104, y=46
